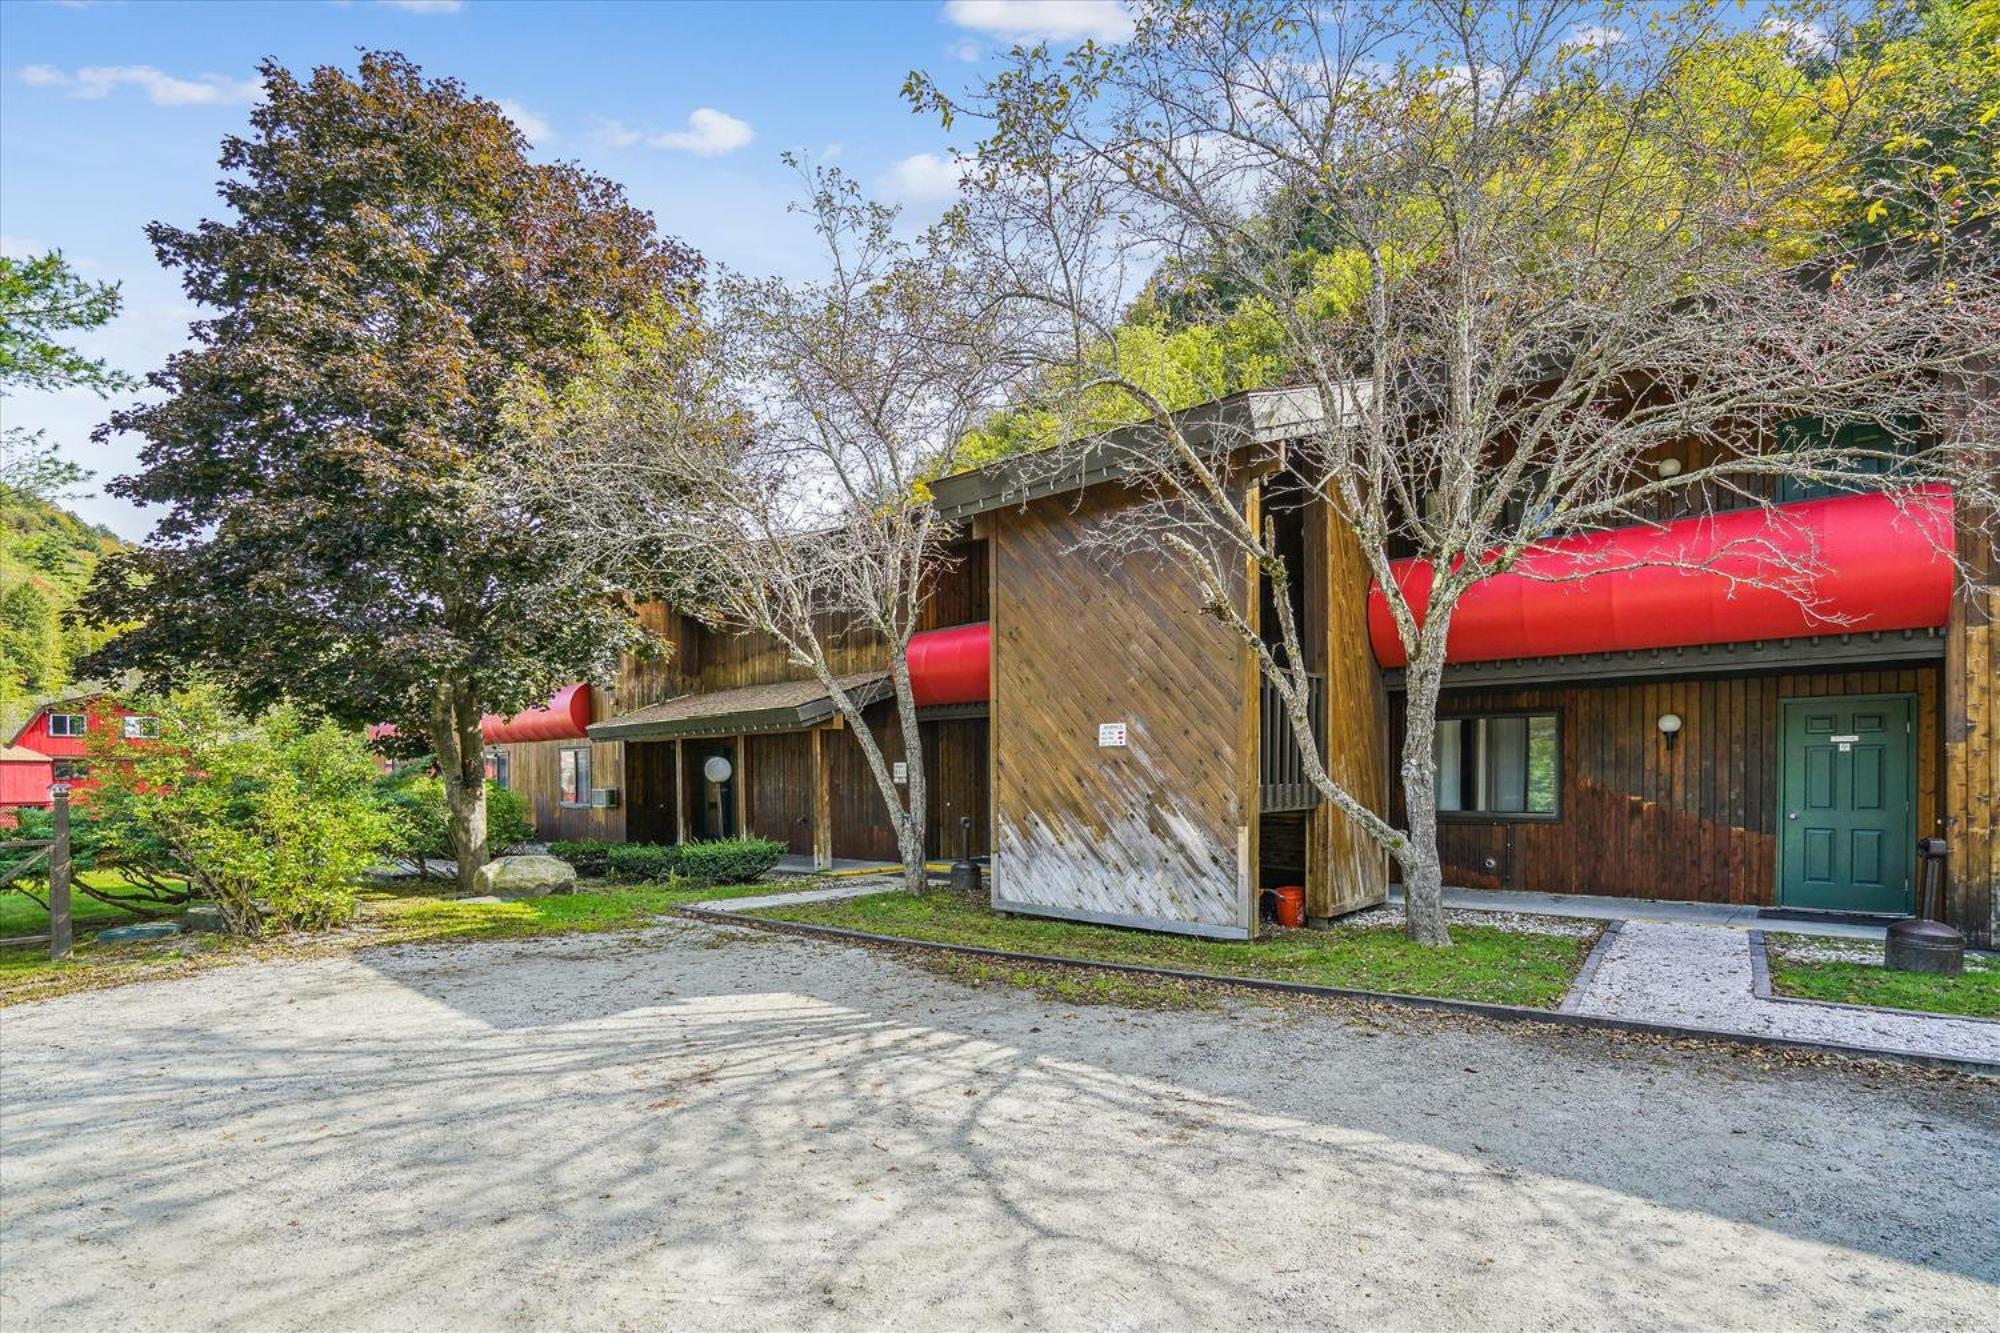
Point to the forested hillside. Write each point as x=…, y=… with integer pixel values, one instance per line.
x=47, y=555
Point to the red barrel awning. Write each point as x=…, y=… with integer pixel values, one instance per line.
x=566, y=717
x=952, y=666
x=1881, y=562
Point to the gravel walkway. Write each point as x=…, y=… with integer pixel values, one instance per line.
x=700, y=1127
x=1702, y=976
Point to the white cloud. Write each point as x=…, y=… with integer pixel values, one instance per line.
x=1595, y=37
x=969, y=51
x=710, y=133
x=1043, y=20
x=93, y=82
x=1806, y=37
x=426, y=6
x=532, y=124
x=924, y=178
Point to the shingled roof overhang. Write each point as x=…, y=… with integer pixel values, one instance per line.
x=786, y=705
x=1259, y=416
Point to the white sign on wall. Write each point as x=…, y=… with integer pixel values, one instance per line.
x=1111, y=735
x=900, y=772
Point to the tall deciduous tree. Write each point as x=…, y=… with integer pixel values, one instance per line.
x=768, y=475
x=393, y=263
x=1512, y=255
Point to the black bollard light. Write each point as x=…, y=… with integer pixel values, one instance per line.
x=965, y=870
x=1923, y=944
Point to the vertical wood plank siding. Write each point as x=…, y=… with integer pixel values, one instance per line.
x=1972, y=746
x=1345, y=868
x=1637, y=819
x=779, y=785
x=1151, y=831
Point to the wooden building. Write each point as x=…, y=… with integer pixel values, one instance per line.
x=637, y=760
x=1642, y=734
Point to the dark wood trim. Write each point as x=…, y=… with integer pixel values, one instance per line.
x=1819, y=653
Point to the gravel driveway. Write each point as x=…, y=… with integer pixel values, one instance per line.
x=693, y=1128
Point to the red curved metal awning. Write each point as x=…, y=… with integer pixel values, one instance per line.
x=566, y=717
x=952, y=666
x=1880, y=562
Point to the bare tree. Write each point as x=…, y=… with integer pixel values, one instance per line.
x=1511, y=257
x=767, y=472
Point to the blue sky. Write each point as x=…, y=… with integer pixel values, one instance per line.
x=111, y=115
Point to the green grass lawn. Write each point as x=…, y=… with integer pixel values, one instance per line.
x=22, y=915
x=1484, y=963
x=1974, y=993
x=384, y=917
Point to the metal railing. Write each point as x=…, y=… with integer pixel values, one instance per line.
x=1281, y=770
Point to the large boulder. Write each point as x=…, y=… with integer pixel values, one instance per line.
x=526, y=877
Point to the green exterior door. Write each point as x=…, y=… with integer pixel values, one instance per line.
x=1846, y=823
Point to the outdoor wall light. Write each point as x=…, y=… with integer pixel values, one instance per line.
x=1670, y=727
x=1670, y=467
x=717, y=769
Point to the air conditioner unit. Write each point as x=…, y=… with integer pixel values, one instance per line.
x=604, y=798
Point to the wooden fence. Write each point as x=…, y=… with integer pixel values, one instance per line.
x=54, y=852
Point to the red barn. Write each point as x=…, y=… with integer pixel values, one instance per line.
x=60, y=733
x=25, y=776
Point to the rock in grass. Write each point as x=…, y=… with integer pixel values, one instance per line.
x=202, y=916
x=526, y=877
x=144, y=930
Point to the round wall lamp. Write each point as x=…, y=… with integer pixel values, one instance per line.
x=718, y=769
x=1670, y=727
x=1670, y=467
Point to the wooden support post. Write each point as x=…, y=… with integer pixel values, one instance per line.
x=680, y=792
x=1249, y=735
x=822, y=803
x=59, y=917
x=742, y=789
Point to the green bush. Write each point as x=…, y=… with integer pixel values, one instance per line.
x=275, y=821
x=415, y=801
x=731, y=861
x=735, y=861
x=640, y=862
x=591, y=858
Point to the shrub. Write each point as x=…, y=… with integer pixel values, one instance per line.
x=416, y=803
x=641, y=862
x=735, y=861
x=275, y=821
x=590, y=858
x=730, y=861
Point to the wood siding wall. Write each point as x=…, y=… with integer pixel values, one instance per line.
x=1637, y=819
x=1346, y=869
x=780, y=786
x=1158, y=832
x=1972, y=746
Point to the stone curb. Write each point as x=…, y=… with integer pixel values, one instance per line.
x=1504, y=1013
x=1588, y=972
x=1760, y=985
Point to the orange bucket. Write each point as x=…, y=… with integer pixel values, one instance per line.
x=1291, y=905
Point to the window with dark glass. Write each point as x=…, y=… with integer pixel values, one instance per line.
x=68, y=724
x=69, y=770
x=573, y=770
x=1503, y=764
x=1869, y=473
x=139, y=728
x=496, y=767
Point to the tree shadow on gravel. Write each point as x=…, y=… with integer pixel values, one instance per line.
x=767, y=1130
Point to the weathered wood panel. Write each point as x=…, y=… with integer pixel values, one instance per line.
x=651, y=792
x=1156, y=832
x=1346, y=869
x=1697, y=821
x=779, y=786
x=533, y=771
x=1971, y=795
